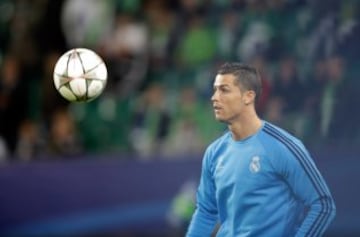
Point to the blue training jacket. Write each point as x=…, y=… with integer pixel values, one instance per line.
x=266, y=185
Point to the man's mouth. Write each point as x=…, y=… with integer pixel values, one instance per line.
x=216, y=108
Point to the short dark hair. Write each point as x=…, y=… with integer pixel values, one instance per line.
x=246, y=75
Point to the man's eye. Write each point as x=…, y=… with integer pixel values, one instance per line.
x=221, y=89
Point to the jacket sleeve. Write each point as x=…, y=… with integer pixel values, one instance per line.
x=308, y=185
x=205, y=216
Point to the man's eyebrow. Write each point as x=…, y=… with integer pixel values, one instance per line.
x=221, y=86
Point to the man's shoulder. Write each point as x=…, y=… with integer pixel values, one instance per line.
x=278, y=138
x=217, y=145
x=277, y=134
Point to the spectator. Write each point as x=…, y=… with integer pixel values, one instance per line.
x=337, y=117
x=287, y=85
x=84, y=22
x=30, y=145
x=125, y=51
x=13, y=100
x=151, y=122
x=191, y=129
x=198, y=44
x=63, y=139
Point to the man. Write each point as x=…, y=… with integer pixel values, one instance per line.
x=257, y=180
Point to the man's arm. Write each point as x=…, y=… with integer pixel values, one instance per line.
x=204, y=219
x=309, y=186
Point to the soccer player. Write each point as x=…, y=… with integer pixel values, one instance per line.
x=256, y=179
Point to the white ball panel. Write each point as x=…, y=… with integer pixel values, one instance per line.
x=101, y=72
x=95, y=88
x=56, y=81
x=78, y=86
x=75, y=68
x=67, y=94
x=89, y=60
x=60, y=66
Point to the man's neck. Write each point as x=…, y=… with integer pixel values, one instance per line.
x=245, y=126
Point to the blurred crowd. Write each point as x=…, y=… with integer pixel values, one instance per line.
x=162, y=58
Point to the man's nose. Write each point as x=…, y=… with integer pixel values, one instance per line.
x=213, y=97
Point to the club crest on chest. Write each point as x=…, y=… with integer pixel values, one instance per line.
x=255, y=165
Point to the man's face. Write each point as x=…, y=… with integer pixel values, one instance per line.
x=228, y=100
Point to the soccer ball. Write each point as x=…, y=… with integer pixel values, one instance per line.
x=80, y=75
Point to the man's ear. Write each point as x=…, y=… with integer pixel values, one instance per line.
x=249, y=97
